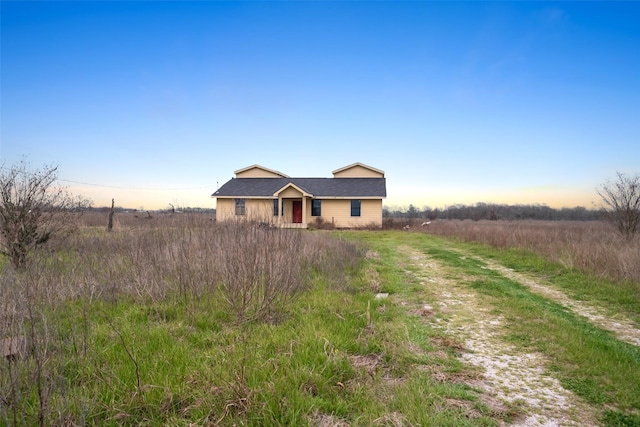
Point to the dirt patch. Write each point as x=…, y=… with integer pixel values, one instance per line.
x=326, y=420
x=368, y=362
x=510, y=376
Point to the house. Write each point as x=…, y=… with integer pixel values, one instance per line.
x=351, y=199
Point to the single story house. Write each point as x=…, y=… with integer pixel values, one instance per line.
x=351, y=199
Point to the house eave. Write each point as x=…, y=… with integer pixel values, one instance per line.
x=243, y=197
x=350, y=197
x=275, y=196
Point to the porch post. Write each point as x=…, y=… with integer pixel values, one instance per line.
x=280, y=211
x=304, y=210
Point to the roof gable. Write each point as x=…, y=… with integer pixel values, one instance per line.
x=289, y=187
x=358, y=170
x=257, y=171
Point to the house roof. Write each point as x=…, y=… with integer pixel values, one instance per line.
x=316, y=187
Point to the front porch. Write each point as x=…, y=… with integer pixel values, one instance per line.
x=293, y=212
x=292, y=206
x=293, y=225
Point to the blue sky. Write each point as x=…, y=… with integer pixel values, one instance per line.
x=153, y=103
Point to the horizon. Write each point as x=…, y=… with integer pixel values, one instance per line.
x=393, y=208
x=158, y=103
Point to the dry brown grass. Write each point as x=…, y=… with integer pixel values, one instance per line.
x=590, y=246
x=159, y=255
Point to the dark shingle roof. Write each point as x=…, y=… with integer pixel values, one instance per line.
x=318, y=187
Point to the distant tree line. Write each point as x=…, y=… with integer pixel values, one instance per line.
x=120, y=209
x=490, y=211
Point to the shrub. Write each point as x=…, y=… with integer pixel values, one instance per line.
x=32, y=210
x=260, y=268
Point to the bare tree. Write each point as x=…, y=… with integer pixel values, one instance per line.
x=33, y=209
x=622, y=203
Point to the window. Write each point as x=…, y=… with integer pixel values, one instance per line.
x=355, y=208
x=316, y=207
x=276, y=209
x=240, y=207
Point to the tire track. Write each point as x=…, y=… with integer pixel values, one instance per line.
x=510, y=375
x=624, y=329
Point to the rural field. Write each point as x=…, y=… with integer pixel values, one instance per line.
x=178, y=320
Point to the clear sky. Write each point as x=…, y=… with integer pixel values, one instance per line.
x=153, y=103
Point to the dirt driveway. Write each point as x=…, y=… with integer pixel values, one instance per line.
x=519, y=379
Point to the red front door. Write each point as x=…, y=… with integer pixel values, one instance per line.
x=297, y=211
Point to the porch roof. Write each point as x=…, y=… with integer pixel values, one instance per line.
x=288, y=185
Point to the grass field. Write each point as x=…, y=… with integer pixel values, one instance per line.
x=181, y=321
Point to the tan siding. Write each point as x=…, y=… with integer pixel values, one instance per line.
x=260, y=209
x=287, y=211
x=338, y=212
x=257, y=173
x=358, y=172
x=255, y=209
x=290, y=192
x=225, y=209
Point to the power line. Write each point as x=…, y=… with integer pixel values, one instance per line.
x=134, y=188
x=117, y=186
